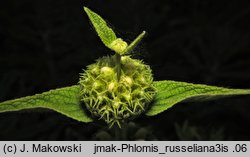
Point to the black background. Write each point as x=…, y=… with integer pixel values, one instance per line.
x=45, y=45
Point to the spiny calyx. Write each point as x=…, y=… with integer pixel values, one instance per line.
x=117, y=100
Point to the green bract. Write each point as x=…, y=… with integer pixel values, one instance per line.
x=116, y=100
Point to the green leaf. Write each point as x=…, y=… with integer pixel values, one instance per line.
x=67, y=100
x=170, y=93
x=132, y=45
x=105, y=33
x=63, y=100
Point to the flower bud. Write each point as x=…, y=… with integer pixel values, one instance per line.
x=119, y=46
x=107, y=70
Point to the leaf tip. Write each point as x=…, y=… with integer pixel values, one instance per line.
x=86, y=9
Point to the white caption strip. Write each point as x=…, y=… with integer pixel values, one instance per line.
x=124, y=148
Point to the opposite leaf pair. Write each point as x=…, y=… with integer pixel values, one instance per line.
x=108, y=36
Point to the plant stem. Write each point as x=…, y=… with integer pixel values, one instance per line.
x=118, y=65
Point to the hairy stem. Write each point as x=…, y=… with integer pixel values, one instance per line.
x=118, y=65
